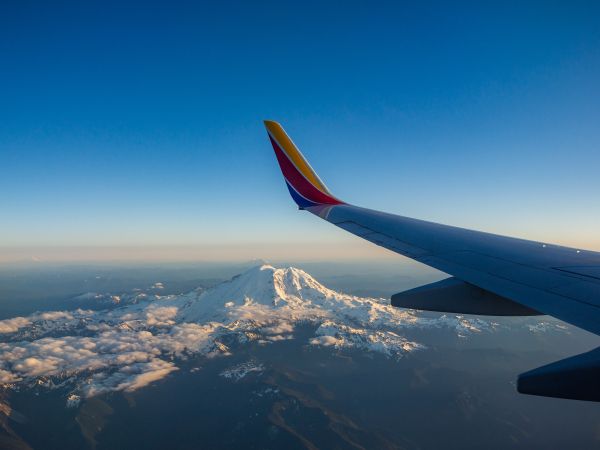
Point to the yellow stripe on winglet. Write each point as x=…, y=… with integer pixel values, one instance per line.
x=290, y=149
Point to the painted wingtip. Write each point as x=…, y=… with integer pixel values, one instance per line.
x=305, y=186
x=271, y=125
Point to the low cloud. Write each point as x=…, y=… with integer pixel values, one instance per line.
x=13, y=325
x=129, y=377
x=278, y=328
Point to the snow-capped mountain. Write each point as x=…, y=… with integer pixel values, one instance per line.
x=130, y=346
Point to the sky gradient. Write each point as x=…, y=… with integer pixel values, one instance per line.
x=128, y=127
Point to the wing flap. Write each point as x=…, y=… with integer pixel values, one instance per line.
x=455, y=296
x=573, y=378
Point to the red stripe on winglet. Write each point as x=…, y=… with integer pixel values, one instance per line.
x=297, y=180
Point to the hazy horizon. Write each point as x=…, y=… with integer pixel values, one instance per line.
x=341, y=248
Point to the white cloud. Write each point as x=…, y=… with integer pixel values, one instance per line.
x=54, y=315
x=326, y=341
x=279, y=328
x=119, y=359
x=129, y=377
x=162, y=316
x=44, y=320
x=143, y=375
x=7, y=377
x=13, y=325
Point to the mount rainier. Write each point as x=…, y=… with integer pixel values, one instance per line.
x=125, y=348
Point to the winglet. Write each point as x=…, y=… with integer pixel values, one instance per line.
x=305, y=186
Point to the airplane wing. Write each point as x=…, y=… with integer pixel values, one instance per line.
x=492, y=274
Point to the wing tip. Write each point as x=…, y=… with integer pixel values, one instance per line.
x=296, y=170
x=272, y=125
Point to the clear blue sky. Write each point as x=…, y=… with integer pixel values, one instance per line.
x=141, y=124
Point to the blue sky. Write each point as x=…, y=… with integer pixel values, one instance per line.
x=127, y=125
